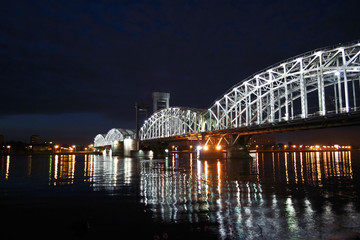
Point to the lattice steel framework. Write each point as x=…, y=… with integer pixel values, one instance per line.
x=115, y=134
x=173, y=121
x=99, y=140
x=317, y=83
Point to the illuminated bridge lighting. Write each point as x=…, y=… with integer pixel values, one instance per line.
x=317, y=84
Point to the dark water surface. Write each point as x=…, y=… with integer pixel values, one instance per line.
x=274, y=195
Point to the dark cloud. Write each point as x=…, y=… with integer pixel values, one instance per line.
x=94, y=57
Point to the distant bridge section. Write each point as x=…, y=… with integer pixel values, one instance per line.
x=113, y=136
x=117, y=140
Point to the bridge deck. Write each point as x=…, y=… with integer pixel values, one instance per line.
x=329, y=121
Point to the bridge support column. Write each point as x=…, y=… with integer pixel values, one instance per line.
x=237, y=147
x=210, y=148
x=210, y=152
x=130, y=145
x=158, y=149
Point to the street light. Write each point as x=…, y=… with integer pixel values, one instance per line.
x=56, y=147
x=8, y=148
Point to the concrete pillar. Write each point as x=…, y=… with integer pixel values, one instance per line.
x=210, y=152
x=237, y=149
x=130, y=145
x=237, y=152
x=117, y=148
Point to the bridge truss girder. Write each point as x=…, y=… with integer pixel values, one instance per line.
x=112, y=136
x=99, y=140
x=171, y=122
x=317, y=83
x=321, y=83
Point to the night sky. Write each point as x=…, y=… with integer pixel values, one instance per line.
x=72, y=69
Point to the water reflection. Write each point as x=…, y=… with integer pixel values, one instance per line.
x=99, y=173
x=251, y=199
x=64, y=169
x=274, y=195
x=311, y=168
x=5, y=167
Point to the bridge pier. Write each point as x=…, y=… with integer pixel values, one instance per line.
x=158, y=148
x=231, y=152
x=210, y=148
x=206, y=148
x=237, y=152
x=226, y=146
x=237, y=147
x=210, y=152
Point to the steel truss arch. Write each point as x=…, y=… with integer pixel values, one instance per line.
x=113, y=135
x=118, y=134
x=99, y=140
x=318, y=83
x=173, y=121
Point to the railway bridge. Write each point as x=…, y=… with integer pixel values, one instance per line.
x=317, y=89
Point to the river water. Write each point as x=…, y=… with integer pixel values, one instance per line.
x=272, y=195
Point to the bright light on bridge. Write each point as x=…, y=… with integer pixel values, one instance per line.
x=313, y=86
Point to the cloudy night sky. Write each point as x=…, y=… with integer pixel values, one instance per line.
x=72, y=69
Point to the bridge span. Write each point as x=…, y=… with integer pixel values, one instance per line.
x=318, y=89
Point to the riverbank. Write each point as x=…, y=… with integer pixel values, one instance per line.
x=46, y=153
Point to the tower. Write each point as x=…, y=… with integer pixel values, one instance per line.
x=140, y=108
x=160, y=100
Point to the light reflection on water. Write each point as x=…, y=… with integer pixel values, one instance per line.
x=274, y=195
x=286, y=195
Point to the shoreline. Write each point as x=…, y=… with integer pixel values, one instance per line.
x=177, y=152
